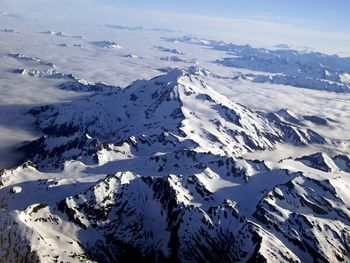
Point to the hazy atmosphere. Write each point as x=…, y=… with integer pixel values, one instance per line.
x=318, y=24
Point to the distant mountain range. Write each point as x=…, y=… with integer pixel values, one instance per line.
x=311, y=70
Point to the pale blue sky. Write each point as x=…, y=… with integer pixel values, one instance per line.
x=334, y=14
x=322, y=24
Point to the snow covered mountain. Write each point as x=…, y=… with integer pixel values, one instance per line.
x=154, y=172
x=311, y=70
x=167, y=113
x=218, y=152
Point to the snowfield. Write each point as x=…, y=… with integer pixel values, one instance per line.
x=123, y=143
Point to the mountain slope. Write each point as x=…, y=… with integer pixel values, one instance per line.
x=167, y=113
x=154, y=172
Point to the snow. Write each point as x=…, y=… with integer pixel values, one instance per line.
x=345, y=78
x=16, y=190
x=132, y=56
x=106, y=44
x=169, y=159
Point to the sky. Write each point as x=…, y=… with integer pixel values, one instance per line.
x=320, y=24
x=331, y=13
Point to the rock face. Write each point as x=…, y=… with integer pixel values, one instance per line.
x=154, y=172
x=323, y=162
x=343, y=162
x=156, y=219
x=323, y=211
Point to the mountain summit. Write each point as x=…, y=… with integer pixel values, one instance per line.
x=167, y=113
x=154, y=172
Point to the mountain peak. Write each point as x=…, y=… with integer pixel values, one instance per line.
x=163, y=114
